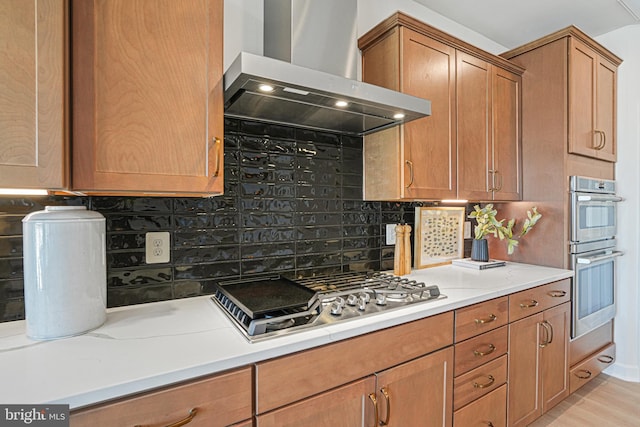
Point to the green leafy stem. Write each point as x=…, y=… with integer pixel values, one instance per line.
x=486, y=224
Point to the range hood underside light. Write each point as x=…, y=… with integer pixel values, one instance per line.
x=319, y=103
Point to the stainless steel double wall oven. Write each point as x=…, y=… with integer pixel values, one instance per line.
x=593, y=252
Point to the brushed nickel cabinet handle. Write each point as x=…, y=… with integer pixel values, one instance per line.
x=548, y=327
x=492, y=348
x=410, y=164
x=499, y=175
x=182, y=422
x=485, y=385
x=557, y=294
x=374, y=402
x=605, y=358
x=493, y=180
x=385, y=393
x=218, y=144
x=586, y=375
x=492, y=318
x=531, y=304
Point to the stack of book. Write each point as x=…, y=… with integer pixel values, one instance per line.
x=478, y=265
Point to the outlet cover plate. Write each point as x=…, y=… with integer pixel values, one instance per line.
x=157, y=247
x=391, y=234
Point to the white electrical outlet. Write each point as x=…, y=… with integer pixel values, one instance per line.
x=467, y=229
x=157, y=247
x=391, y=234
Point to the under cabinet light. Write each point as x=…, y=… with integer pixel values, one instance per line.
x=22, y=192
x=454, y=201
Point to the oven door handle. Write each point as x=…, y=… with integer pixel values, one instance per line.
x=592, y=259
x=600, y=198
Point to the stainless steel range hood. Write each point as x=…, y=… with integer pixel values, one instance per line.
x=309, y=97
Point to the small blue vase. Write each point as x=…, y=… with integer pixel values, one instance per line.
x=480, y=250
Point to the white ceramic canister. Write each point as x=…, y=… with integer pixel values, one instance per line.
x=65, y=275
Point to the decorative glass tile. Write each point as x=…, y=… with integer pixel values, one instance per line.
x=267, y=250
x=269, y=219
x=205, y=238
x=205, y=254
x=10, y=246
x=138, y=276
x=315, y=246
x=131, y=204
x=11, y=289
x=325, y=232
x=318, y=191
x=125, y=259
x=11, y=225
x=263, y=265
x=116, y=241
x=11, y=268
x=318, y=218
x=205, y=271
x=117, y=222
x=316, y=260
x=117, y=297
x=262, y=235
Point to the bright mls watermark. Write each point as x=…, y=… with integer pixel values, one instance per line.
x=34, y=415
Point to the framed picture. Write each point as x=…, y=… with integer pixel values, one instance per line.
x=439, y=235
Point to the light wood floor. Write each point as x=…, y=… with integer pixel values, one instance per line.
x=605, y=401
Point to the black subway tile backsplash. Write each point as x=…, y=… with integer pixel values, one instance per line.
x=292, y=206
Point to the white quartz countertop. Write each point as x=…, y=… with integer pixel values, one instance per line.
x=151, y=345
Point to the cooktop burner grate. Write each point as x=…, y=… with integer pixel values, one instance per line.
x=263, y=308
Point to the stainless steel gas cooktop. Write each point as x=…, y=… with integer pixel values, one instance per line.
x=274, y=306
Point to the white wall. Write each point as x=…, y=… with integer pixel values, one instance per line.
x=624, y=43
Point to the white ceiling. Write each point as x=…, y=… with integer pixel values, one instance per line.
x=515, y=22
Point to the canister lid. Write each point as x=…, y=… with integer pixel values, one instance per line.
x=63, y=213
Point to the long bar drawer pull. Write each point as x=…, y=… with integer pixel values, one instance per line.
x=530, y=304
x=586, y=375
x=385, y=393
x=485, y=385
x=488, y=423
x=557, y=294
x=492, y=348
x=491, y=318
x=605, y=358
x=372, y=398
x=185, y=421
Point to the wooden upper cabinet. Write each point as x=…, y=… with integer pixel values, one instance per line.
x=452, y=153
x=33, y=94
x=580, y=75
x=147, y=97
x=421, y=155
x=592, y=103
x=489, y=138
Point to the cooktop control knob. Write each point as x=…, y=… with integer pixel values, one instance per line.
x=340, y=301
x=336, y=308
x=381, y=299
x=352, y=299
x=362, y=304
x=365, y=296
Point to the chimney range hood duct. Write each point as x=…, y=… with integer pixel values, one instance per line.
x=306, y=97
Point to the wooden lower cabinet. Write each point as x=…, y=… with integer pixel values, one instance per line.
x=220, y=400
x=538, y=364
x=416, y=393
x=490, y=410
x=591, y=367
x=349, y=405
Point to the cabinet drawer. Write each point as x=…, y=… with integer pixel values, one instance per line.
x=373, y=352
x=480, y=318
x=482, y=380
x=488, y=410
x=479, y=350
x=538, y=299
x=587, y=344
x=220, y=400
x=591, y=367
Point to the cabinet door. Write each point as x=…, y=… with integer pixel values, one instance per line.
x=524, y=364
x=555, y=356
x=506, y=173
x=592, y=103
x=33, y=94
x=147, y=98
x=474, y=127
x=417, y=393
x=350, y=405
x=605, y=105
x=428, y=71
